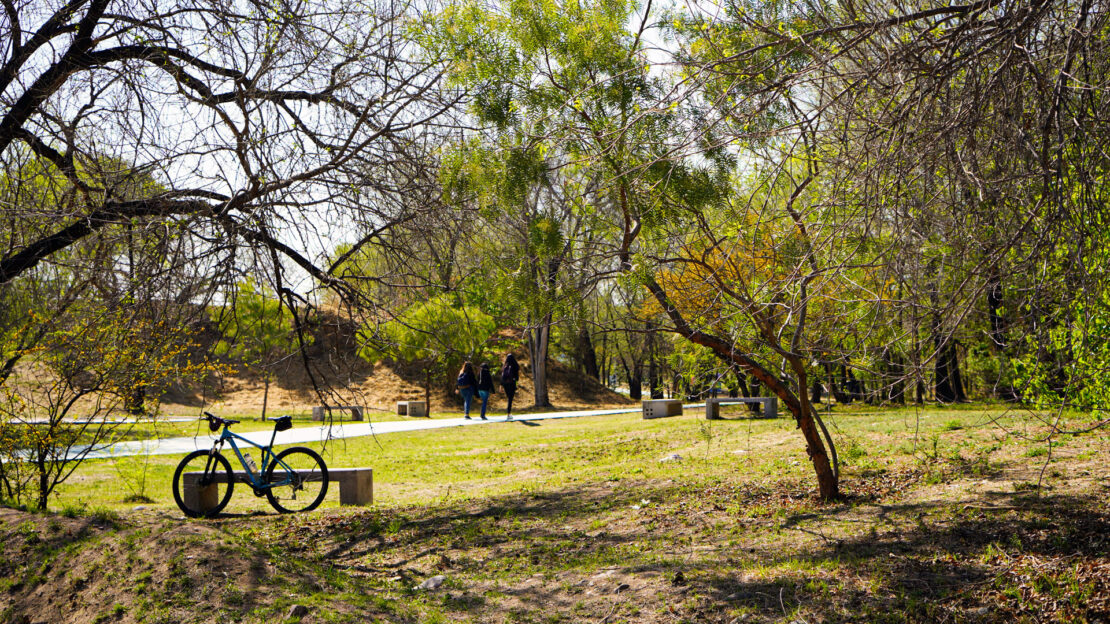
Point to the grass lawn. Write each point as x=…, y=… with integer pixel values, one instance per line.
x=964, y=514
x=420, y=467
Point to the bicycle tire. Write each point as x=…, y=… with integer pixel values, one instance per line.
x=220, y=463
x=283, y=497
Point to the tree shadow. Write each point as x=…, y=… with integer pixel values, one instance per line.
x=849, y=561
x=924, y=560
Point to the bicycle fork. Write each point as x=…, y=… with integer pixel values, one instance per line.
x=210, y=463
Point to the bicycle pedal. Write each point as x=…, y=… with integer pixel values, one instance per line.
x=259, y=493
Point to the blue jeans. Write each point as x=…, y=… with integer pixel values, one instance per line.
x=468, y=396
x=484, y=394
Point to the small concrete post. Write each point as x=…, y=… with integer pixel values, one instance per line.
x=202, y=498
x=356, y=487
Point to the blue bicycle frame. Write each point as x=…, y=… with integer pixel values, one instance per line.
x=256, y=480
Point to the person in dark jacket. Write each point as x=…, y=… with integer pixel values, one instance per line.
x=467, y=385
x=510, y=372
x=485, y=386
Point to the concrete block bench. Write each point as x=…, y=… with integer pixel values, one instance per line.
x=319, y=412
x=356, y=486
x=770, y=406
x=662, y=408
x=416, y=409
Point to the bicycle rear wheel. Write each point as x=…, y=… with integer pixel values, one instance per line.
x=298, y=479
x=210, y=479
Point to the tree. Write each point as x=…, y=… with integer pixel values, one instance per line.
x=268, y=136
x=63, y=407
x=888, y=234
x=438, y=334
x=285, y=113
x=257, y=329
x=556, y=88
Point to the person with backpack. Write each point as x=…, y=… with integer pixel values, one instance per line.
x=467, y=384
x=485, y=386
x=510, y=372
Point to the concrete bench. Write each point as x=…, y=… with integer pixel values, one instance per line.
x=416, y=409
x=356, y=486
x=320, y=411
x=770, y=405
x=662, y=408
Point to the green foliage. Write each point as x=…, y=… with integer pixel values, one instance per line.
x=85, y=365
x=1084, y=381
x=258, y=328
x=438, y=333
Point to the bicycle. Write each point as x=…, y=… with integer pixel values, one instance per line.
x=295, y=479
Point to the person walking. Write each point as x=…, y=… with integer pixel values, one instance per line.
x=467, y=384
x=510, y=372
x=485, y=387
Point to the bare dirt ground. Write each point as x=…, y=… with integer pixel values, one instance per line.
x=378, y=386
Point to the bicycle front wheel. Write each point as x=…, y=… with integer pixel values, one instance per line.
x=298, y=480
x=202, y=484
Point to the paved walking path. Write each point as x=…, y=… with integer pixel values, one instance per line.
x=113, y=421
x=300, y=435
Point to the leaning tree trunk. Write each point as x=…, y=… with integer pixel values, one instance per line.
x=827, y=480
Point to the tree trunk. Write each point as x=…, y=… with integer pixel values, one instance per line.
x=745, y=390
x=919, y=385
x=653, y=379
x=994, y=310
x=816, y=392
x=606, y=364
x=265, y=394
x=838, y=391
x=635, y=381
x=897, y=374
x=586, y=354
x=44, y=480
x=428, y=391
x=845, y=386
x=538, y=340
x=949, y=386
x=827, y=481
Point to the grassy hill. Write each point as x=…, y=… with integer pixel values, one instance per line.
x=962, y=515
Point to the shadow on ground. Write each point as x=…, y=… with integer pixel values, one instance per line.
x=707, y=552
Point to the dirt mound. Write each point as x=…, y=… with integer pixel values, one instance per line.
x=143, y=569
x=334, y=370
x=330, y=370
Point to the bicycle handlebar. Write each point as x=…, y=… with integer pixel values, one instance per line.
x=215, y=422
